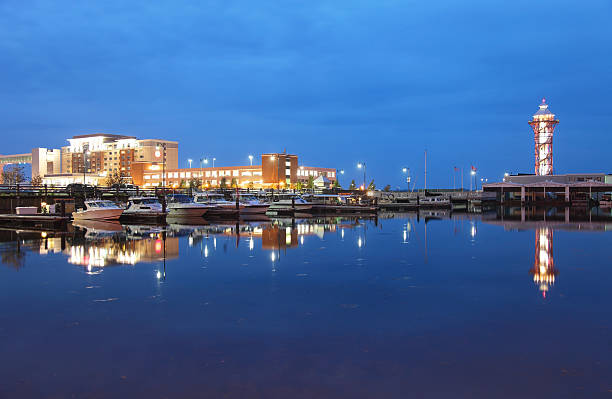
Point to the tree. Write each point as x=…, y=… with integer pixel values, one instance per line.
x=372, y=186
x=310, y=183
x=337, y=184
x=195, y=182
x=387, y=188
x=353, y=186
x=36, y=180
x=234, y=183
x=113, y=178
x=299, y=186
x=223, y=183
x=13, y=174
x=183, y=183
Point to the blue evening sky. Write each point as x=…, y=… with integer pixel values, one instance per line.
x=335, y=82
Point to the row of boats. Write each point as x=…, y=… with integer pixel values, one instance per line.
x=184, y=206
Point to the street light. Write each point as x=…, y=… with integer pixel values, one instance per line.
x=214, y=159
x=251, y=159
x=472, y=174
x=190, y=161
x=407, y=172
x=359, y=166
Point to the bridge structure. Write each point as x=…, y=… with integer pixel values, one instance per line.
x=12, y=160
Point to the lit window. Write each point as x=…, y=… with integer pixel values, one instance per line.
x=236, y=173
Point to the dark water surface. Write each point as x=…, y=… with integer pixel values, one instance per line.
x=395, y=308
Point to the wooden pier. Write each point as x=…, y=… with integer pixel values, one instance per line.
x=34, y=222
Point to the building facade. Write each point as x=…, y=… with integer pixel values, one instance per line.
x=276, y=171
x=108, y=153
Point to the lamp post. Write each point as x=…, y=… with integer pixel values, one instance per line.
x=158, y=154
x=472, y=175
x=214, y=159
x=251, y=159
x=85, y=153
x=275, y=170
x=359, y=166
x=406, y=171
x=190, y=161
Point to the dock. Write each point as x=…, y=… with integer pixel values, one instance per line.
x=34, y=222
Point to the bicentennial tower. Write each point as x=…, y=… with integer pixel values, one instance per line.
x=543, y=125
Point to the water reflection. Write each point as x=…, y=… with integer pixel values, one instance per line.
x=544, y=271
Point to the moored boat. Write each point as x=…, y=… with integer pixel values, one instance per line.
x=218, y=205
x=289, y=204
x=143, y=208
x=181, y=205
x=98, y=210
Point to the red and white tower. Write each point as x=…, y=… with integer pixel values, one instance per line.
x=543, y=125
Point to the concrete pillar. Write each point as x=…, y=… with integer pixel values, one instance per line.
x=522, y=213
x=567, y=194
x=523, y=194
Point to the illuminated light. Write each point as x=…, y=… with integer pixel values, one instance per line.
x=190, y=241
x=251, y=244
x=157, y=153
x=302, y=240
x=273, y=256
x=405, y=235
x=359, y=242
x=158, y=246
x=206, y=251
x=473, y=231
x=158, y=275
x=342, y=233
x=43, y=234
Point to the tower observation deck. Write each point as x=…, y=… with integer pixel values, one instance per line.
x=543, y=125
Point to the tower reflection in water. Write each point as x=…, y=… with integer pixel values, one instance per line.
x=543, y=270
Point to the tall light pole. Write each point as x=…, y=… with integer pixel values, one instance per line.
x=472, y=175
x=406, y=171
x=85, y=153
x=190, y=161
x=214, y=159
x=159, y=154
x=275, y=170
x=359, y=166
x=251, y=159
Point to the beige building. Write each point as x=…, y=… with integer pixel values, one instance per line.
x=108, y=153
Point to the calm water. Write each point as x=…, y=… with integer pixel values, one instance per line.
x=461, y=307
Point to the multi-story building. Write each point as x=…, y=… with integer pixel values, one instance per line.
x=108, y=153
x=277, y=170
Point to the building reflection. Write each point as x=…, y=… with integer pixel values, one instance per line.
x=543, y=270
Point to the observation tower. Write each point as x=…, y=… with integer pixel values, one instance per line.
x=543, y=125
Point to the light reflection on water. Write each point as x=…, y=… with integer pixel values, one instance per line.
x=423, y=305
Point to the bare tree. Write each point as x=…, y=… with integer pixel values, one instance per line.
x=13, y=174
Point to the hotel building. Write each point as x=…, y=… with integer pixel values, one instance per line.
x=91, y=158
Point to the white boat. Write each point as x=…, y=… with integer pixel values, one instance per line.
x=143, y=207
x=250, y=205
x=181, y=205
x=219, y=206
x=98, y=210
x=289, y=204
x=434, y=201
